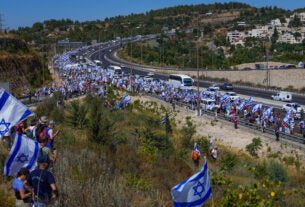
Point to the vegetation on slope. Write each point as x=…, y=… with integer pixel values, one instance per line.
x=127, y=158
x=20, y=65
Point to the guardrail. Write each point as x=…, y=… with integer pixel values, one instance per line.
x=241, y=122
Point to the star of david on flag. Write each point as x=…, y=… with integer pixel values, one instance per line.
x=12, y=112
x=24, y=153
x=194, y=191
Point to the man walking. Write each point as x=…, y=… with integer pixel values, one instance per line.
x=43, y=183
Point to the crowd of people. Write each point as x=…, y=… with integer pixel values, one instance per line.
x=37, y=188
x=79, y=78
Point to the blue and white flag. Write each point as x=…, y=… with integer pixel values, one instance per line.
x=212, y=142
x=24, y=153
x=267, y=113
x=193, y=192
x=242, y=104
x=224, y=98
x=236, y=101
x=250, y=102
x=257, y=107
x=125, y=100
x=196, y=149
x=12, y=112
x=288, y=117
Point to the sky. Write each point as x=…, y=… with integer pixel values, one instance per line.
x=16, y=13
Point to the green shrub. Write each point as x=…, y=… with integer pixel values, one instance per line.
x=187, y=133
x=276, y=171
x=253, y=147
x=228, y=161
x=76, y=116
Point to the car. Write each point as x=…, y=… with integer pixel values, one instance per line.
x=295, y=107
x=282, y=96
x=151, y=74
x=215, y=87
x=208, y=104
x=212, y=91
x=233, y=96
x=148, y=78
x=226, y=86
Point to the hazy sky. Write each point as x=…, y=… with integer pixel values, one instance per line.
x=25, y=12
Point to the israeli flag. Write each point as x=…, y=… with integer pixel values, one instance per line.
x=24, y=153
x=212, y=141
x=250, y=102
x=236, y=101
x=196, y=149
x=125, y=100
x=12, y=112
x=224, y=98
x=267, y=113
x=193, y=192
x=256, y=108
x=287, y=117
x=241, y=106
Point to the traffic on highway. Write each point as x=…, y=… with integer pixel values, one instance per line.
x=84, y=71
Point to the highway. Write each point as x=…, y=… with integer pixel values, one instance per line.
x=248, y=91
x=104, y=53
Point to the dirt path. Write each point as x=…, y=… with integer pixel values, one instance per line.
x=237, y=139
x=55, y=76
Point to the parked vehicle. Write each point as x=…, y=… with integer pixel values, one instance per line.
x=208, y=104
x=295, y=107
x=215, y=87
x=226, y=86
x=233, y=96
x=282, y=96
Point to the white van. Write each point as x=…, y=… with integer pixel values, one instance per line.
x=179, y=80
x=282, y=96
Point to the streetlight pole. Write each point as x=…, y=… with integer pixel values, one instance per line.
x=198, y=95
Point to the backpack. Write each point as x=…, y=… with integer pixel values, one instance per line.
x=40, y=131
x=195, y=155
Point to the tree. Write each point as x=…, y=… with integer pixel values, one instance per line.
x=187, y=132
x=275, y=36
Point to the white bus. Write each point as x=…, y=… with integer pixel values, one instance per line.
x=178, y=80
x=115, y=70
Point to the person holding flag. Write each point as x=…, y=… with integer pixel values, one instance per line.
x=195, y=191
x=12, y=112
x=196, y=155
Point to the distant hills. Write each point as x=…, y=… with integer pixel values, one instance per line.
x=179, y=17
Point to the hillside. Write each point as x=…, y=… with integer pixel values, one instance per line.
x=111, y=157
x=20, y=65
x=185, y=16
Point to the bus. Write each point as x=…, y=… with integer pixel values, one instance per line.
x=178, y=80
x=115, y=70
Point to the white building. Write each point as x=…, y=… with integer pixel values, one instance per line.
x=259, y=33
x=276, y=23
x=287, y=38
x=299, y=15
x=235, y=36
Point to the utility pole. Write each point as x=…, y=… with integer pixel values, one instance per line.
x=197, y=57
x=141, y=53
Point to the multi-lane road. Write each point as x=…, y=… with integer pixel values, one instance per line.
x=106, y=56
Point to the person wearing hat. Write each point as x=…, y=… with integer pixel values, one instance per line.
x=43, y=183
